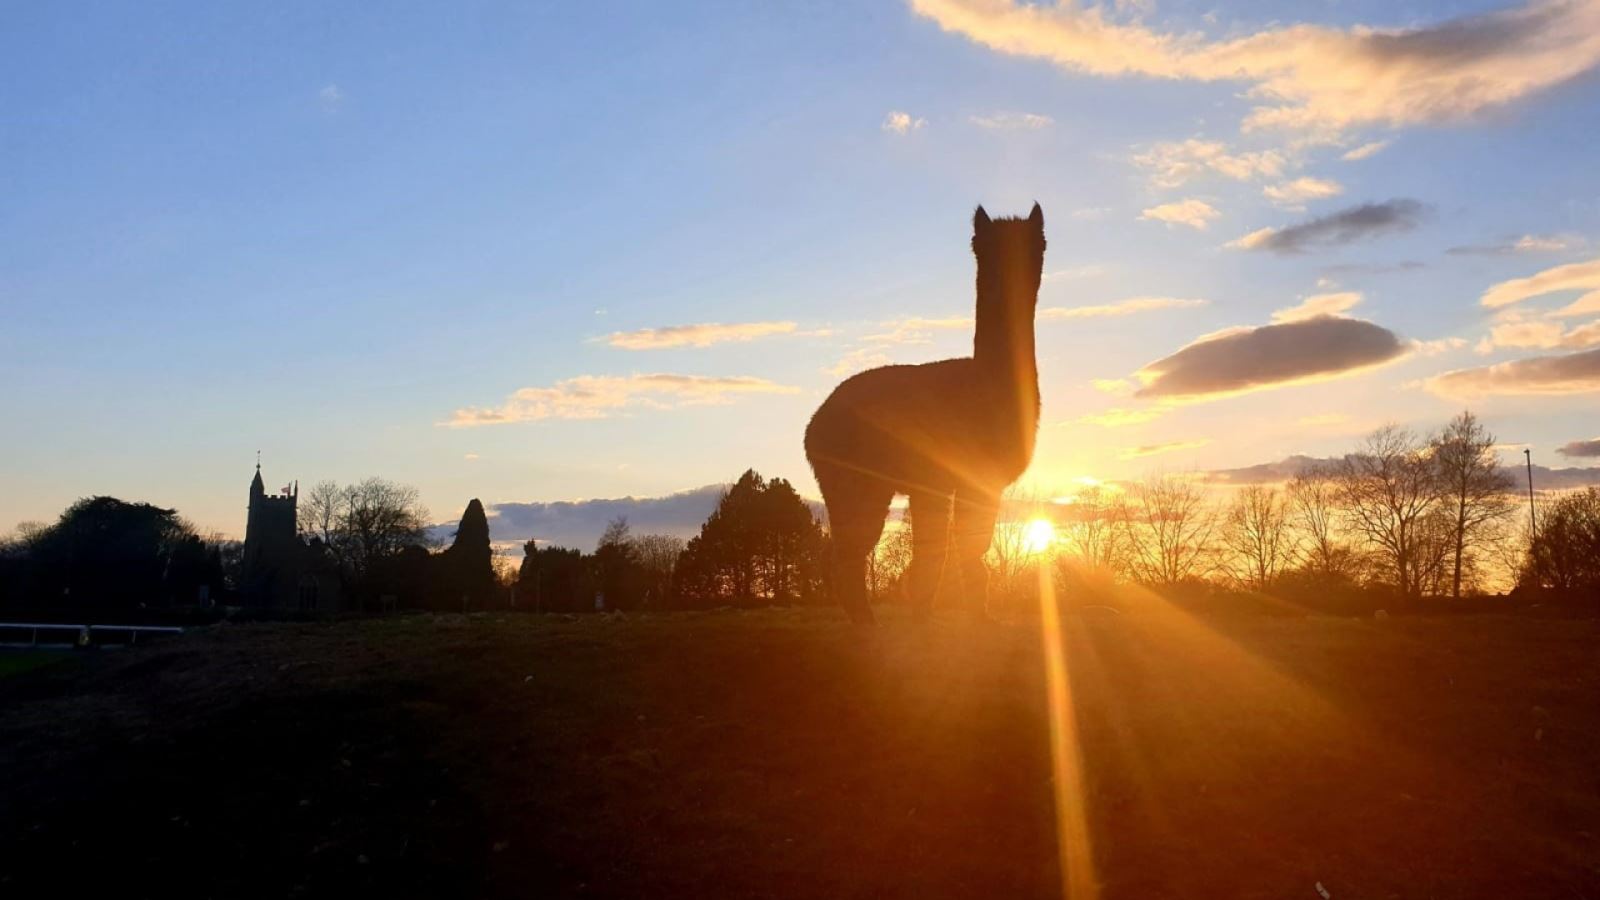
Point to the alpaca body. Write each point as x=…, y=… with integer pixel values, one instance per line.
x=951, y=435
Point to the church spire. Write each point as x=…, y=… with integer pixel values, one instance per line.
x=257, y=488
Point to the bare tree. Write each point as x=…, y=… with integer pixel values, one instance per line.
x=1256, y=531
x=1388, y=488
x=366, y=523
x=892, y=557
x=1168, y=526
x=1476, y=490
x=321, y=510
x=1313, y=499
x=657, y=555
x=1091, y=538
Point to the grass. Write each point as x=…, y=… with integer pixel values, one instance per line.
x=15, y=662
x=782, y=753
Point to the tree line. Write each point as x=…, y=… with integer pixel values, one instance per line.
x=1402, y=519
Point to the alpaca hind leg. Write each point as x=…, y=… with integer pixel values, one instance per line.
x=856, y=512
x=930, y=542
x=972, y=531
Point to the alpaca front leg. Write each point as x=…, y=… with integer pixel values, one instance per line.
x=850, y=583
x=930, y=543
x=973, y=527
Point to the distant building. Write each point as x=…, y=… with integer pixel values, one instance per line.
x=279, y=571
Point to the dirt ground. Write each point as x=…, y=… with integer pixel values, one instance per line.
x=783, y=753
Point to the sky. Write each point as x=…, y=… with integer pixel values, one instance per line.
x=545, y=252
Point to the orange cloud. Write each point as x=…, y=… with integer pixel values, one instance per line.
x=1311, y=78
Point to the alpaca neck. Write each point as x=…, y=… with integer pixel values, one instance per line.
x=1004, y=351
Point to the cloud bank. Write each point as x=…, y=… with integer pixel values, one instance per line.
x=1279, y=471
x=1248, y=359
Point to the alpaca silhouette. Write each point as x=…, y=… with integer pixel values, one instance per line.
x=958, y=429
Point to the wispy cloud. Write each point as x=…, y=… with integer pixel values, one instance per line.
x=1239, y=360
x=1319, y=305
x=331, y=98
x=917, y=329
x=1012, y=121
x=1073, y=273
x=1581, y=276
x=1300, y=190
x=1173, y=163
x=601, y=396
x=1571, y=373
x=1528, y=243
x=1365, y=151
x=1580, y=449
x=1311, y=78
x=1168, y=447
x=1121, y=308
x=898, y=122
x=1343, y=227
x=702, y=335
x=1121, y=416
x=1193, y=213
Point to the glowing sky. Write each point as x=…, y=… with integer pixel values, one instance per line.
x=604, y=249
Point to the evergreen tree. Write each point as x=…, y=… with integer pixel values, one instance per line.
x=760, y=545
x=466, y=568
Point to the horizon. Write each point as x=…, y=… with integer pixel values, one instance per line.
x=408, y=246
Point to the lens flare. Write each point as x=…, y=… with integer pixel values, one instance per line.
x=1038, y=536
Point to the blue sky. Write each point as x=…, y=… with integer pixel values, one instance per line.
x=328, y=232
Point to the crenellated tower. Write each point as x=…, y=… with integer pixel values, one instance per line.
x=273, y=554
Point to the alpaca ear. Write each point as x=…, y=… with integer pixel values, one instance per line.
x=980, y=221
x=1036, y=218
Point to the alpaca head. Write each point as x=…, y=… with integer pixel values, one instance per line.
x=1010, y=256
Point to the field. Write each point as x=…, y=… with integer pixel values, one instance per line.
x=782, y=753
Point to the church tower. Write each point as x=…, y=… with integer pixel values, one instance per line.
x=273, y=553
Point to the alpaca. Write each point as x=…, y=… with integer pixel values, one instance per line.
x=958, y=429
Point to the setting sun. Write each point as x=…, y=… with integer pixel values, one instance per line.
x=1038, y=535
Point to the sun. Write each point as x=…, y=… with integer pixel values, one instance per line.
x=1038, y=535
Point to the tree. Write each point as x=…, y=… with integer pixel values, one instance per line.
x=464, y=572
x=891, y=558
x=1475, y=489
x=105, y=553
x=1256, y=531
x=554, y=579
x=365, y=527
x=1313, y=502
x=616, y=564
x=1564, y=554
x=1388, y=489
x=1091, y=539
x=657, y=556
x=761, y=544
x=1168, y=525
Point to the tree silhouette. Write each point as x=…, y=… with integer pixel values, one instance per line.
x=760, y=545
x=465, y=570
x=1475, y=489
